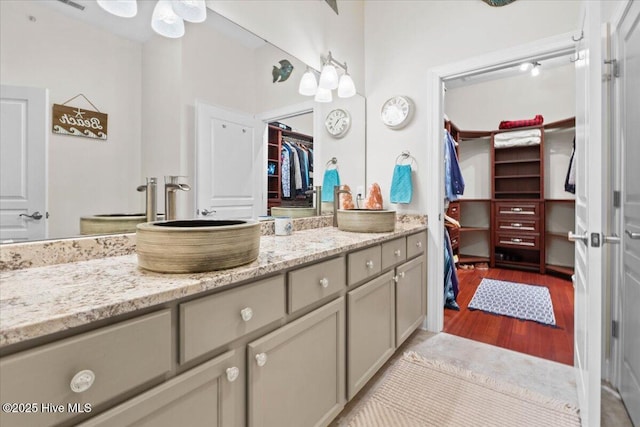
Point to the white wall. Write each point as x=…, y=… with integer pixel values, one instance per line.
x=85, y=176
x=406, y=38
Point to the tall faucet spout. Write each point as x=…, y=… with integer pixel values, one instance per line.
x=337, y=190
x=172, y=186
x=150, y=188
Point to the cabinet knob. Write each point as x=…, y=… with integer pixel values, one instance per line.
x=246, y=314
x=232, y=374
x=401, y=275
x=82, y=381
x=397, y=252
x=516, y=224
x=261, y=359
x=324, y=282
x=369, y=264
x=419, y=244
x=515, y=240
x=516, y=209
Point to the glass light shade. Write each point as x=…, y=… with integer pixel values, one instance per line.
x=165, y=22
x=535, y=71
x=346, y=87
x=323, y=95
x=122, y=8
x=328, y=77
x=190, y=10
x=525, y=66
x=308, y=84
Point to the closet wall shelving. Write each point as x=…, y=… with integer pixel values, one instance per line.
x=274, y=170
x=507, y=218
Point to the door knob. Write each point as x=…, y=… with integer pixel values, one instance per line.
x=36, y=215
x=206, y=212
x=611, y=239
x=584, y=237
x=633, y=236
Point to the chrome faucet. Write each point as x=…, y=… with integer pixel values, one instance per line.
x=318, y=198
x=171, y=186
x=337, y=190
x=151, y=211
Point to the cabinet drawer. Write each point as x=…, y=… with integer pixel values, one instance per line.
x=210, y=322
x=416, y=244
x=364, y=263
x=518, y=225
x=121, y=357
x=524, y=241
x=518, y=208
x=453, y=210
x=315, y=282
x=394, y=252
x=455, y=240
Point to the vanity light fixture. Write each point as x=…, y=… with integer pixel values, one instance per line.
x=168, y=15
x=329, y=80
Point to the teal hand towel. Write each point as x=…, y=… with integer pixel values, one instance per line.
x=330, y=179
x=401, y=184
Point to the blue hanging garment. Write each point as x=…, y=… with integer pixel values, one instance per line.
x=401, y=184
x=330, y=179
x=453, y=181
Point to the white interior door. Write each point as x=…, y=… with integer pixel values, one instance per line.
x=629, y=40
x=23, y=163
x=229, y=166
x=590, y=170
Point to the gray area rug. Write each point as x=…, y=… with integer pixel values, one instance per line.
x=527, y=302
x=419, y=392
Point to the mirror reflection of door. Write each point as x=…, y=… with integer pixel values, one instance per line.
x=23, y=163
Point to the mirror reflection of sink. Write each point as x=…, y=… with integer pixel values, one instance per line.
x=366, y=221
x=196, y=245
x=112, y=223
x=293, y=211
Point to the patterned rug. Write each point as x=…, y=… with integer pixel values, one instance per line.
x=420, y=392
x=527, y=302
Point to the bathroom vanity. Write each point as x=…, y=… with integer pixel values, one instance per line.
x=284, y=341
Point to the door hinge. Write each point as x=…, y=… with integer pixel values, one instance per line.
x=615, y=68
x=617, y=196
x=614, y=328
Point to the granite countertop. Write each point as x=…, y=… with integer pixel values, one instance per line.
x=35, y=302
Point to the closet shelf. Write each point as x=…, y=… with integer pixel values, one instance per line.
x=463, y=229
x=468, y=259
x=517, y=176
x=506, y=162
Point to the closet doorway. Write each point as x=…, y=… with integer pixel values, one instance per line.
x=509, y=229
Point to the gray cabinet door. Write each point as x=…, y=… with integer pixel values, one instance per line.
x=371, y=330
x=410, y=298
x=207, y=395
x=296, y=373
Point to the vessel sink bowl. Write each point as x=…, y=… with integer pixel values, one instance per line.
x=196, y=245
x=111, y=223
x=366, y=221
x=293, y=211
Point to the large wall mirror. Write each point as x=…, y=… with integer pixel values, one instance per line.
x=149, y=86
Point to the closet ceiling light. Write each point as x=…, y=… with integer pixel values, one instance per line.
x=535, y=71
x=526, y=66
x=329, y=80
x=168, y=15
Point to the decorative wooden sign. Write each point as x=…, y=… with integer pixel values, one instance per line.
x=68, y=120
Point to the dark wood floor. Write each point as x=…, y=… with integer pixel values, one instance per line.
x=518, y=335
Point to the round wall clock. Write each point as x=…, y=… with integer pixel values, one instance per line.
x=338, y=122
x=397, y=111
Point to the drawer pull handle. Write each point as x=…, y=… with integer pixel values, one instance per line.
x=397, y=252
x=324, y=282
x=369, y=264
x=516, y=240
x=232, y=374
x=82, y=381
x=516, y=224
x=516, y=209
x=261, y=359
x=419, y=244
x=246, y=314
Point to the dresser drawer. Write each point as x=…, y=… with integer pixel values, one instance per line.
x=455, y=239
x=524, y=241
x=453, y=210
x=518, y=225
x=119, y=357
x=518, y=209
x=364, y=263
x=210, y=322
x=416, y=244
x=310, y=284
x=394, y=252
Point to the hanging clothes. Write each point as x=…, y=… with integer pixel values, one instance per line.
x=450, y=275
x=453, y=180
x=570, y=180
x=285, y=172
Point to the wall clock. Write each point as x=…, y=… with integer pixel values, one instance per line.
x=338, y=122
x=397, y=112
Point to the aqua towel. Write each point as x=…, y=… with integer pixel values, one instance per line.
x=331, y=179
x=401, y=184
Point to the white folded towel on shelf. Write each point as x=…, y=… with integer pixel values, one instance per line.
x=517, y=142
x=505, y=136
